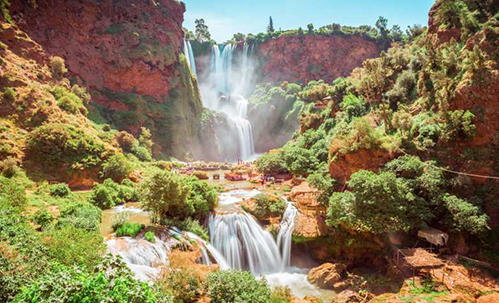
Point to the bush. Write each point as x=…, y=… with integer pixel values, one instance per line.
x=13, y=193
x=42, y=217
x=149, y=236
x=183, y=284
x=271, y=163
x=268, y=206
x=110, y=193
x=58, y=67
x=80, y=215
x=141, y=152
x=109, y=281
x=117, y=167
x=61, y=145
x=281, y=294
x=74, y=246
x=9, y=167
x=60, y=190
x=129, y=229
x=168, y=195
x=119, y=220
x=236, y=286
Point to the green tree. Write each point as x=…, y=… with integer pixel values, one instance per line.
x=310, y=28
x=270, y=27
x=236, y=286
x=382, y=26
x=202, y=32
x=117, y=167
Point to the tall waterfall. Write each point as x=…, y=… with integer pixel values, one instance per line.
x=228, y=85
x=189, y=55
x=246, y=245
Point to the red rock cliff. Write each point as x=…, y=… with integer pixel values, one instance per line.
x=313, y=57
x=127, y=53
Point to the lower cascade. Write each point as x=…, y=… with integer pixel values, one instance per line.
x=246, y=245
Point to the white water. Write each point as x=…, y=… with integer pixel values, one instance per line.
x=226, y=91
x=285, y=235
x=189, y=55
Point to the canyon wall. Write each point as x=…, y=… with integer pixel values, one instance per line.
x=313, y=57
x=128, y=54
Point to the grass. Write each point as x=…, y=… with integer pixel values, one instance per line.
x=426, y=292
x=129, y=229
x=149, y=236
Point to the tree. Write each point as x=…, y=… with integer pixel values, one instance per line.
x=202, y=32
x=382, y=26
x=239, y=37
x=396, y=34
x=310, y=28
x=270, y=27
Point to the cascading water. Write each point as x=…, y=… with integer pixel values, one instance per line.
x=189, y=55
x=226, y=93
x=246, y=245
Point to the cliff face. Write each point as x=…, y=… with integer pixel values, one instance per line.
x=127, y=53
x=313, y=57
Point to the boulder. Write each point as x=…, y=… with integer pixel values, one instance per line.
x=492, y=298
x=328, y=276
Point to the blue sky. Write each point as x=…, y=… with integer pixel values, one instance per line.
x=226, y=17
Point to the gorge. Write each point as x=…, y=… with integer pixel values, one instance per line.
x=143, y=161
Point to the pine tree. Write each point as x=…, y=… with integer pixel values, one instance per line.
x=270, y=28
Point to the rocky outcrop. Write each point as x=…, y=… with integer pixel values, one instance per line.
x=310, y=221
x=342, y=166
x=313, y=57
x=328, y=276
x=128, y=55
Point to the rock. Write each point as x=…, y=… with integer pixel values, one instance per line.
x=493, y=298
x=347, y=296
x=328, y=276
x=314, y=57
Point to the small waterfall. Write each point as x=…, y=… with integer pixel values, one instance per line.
x=285, y=234
x=189, y=55
x=244, y=243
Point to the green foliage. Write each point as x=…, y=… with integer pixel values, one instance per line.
x=110, y=193
x=321, y=180
x=129, y=229
x=68, y=100
x=183, y=284
x=74, y=246
x=268, y=206
x=81, y=215
x=145, y=139
x=62, y=145
x=271, y=163
x=353, y=106
x=117, y=167
x=13, y=193
x=270, y=27
x=60, y=190
x=42, y=217
x=4, y=10
x=236, y=286
x=409, y=194
x=202, y=32
x=281, y=294
x=109, y=281
x=149, y=236
x=168, y=195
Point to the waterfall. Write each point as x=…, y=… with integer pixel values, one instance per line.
x=246, y=245
x=226, y=94
x=285, y=234
x=189, y=55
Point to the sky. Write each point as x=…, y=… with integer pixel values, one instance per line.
x=227, y=17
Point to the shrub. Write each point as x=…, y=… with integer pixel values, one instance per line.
x=119, y=220
x=236, y=286
x=62, y=145
x=9, y=94
x=281, y=294
x=74, y=246
x=42, y=217
x=108, y=281
x=82, y=93
x=9, y=167
x=141, y=152
x=110, y=193
x=129, y=229
x=60, y=190
x=58, y=67
x=80, y=215
x=13, y=193
x=149, y=236
x=117, y=168
x=125, y=140
x=268, y=206
x=170, y=196
x=183, y=284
